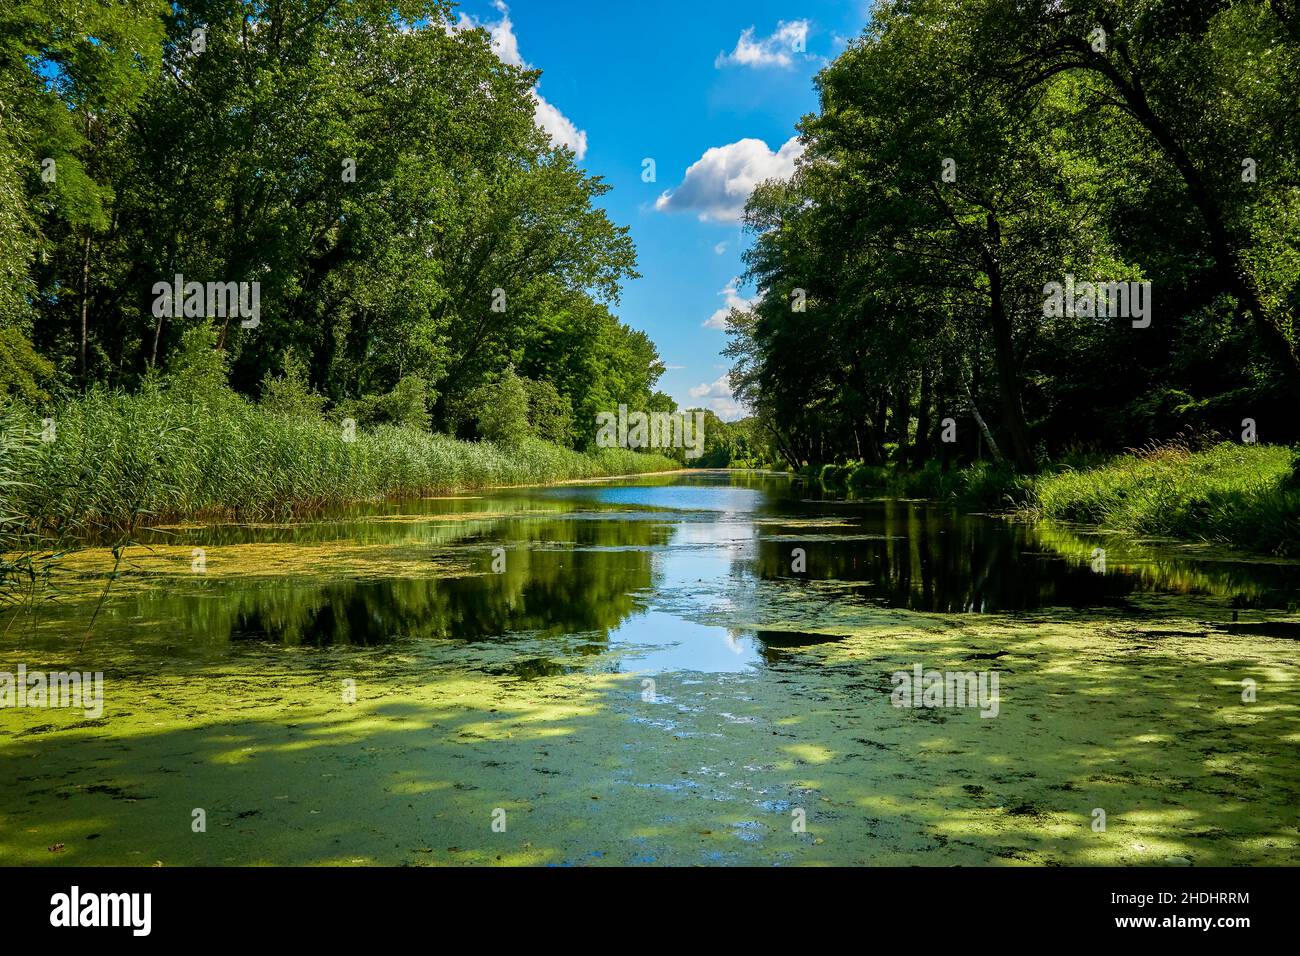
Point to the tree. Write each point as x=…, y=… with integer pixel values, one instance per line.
x=70, y=76
x=500, y=409
x=1213, y=84
x=374, y=170
x=290, y=393
x=965, y=155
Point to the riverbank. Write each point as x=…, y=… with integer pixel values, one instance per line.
x=982, y=486
x=107, y=463
x=1243, y=496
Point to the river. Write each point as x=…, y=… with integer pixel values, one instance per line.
x=687, y=669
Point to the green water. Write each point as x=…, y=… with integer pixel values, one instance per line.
x=676, y=669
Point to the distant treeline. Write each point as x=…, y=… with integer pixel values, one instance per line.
x=1022, y=230
x=423, y=255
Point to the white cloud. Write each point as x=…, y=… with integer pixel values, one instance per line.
x=717, y=184
x=720, y=248
x=562, y=130
x=734, y=300
x=718, y=399
x=559, y=127
x=790, y=38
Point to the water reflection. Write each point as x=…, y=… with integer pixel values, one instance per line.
x=591, y=561
x=656, y=642
x=925, y=557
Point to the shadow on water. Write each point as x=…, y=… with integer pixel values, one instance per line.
x=777, y=645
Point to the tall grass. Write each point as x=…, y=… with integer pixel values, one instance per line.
x=13, y=451
x=1246, y=496
x=121, y=460
x=19, y=567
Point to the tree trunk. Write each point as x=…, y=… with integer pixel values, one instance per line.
x=870, y=451
x=924, y=424
x=903, y=421
x=881, y=423
x=947, y=402
x=157, y=334
x=984, y=429
x=1004, y=356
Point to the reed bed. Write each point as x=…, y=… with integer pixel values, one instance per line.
x=117, y=461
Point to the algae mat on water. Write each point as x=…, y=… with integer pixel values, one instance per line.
x=1146, y=723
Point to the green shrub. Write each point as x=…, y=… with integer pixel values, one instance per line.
x=500, y=409
x=550, y=414
x=862, y=478
x=23, y=373
x=987, y=485
x=408, y=403
x=197, y=370
x=291, y=393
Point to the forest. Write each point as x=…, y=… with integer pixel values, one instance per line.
x=1021, y=239
x=971, y=161
x=423, y=254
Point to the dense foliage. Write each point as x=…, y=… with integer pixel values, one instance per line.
x=969, y=152
x=415, y=236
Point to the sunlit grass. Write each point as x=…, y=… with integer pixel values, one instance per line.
x=1247, y=496
x=119, y=460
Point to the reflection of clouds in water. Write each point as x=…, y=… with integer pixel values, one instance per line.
x=657, y=642
x=713, y=533
x=730, y=501
x=734, y=643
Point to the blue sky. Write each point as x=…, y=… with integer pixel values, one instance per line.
x=712, y=85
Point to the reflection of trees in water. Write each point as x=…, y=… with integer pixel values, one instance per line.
x=934, y=559
x=546, y=587
x=410, y=522
x=1262, y=584
x=931, y=558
